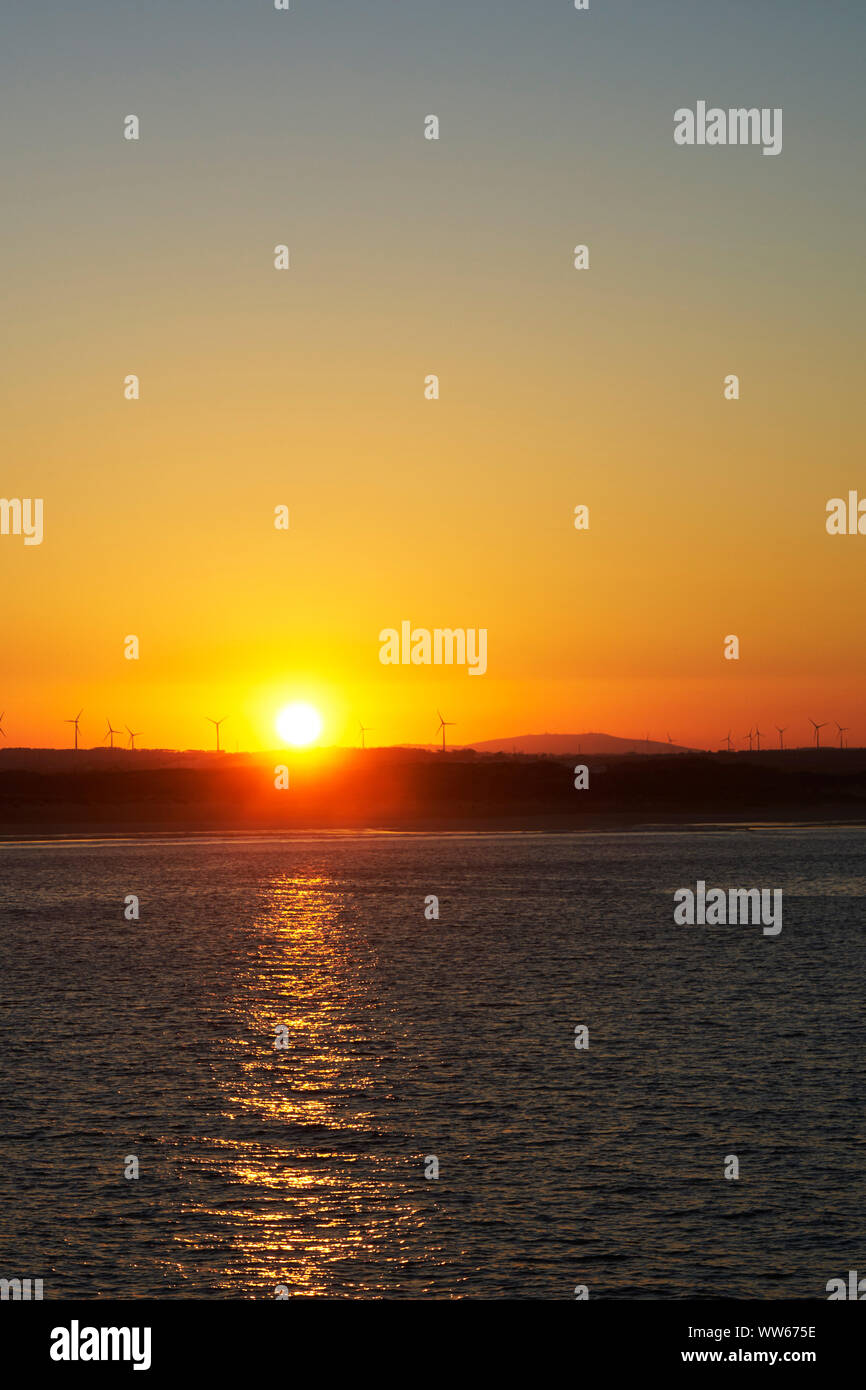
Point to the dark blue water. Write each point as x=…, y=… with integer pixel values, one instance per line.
x=410, y=1038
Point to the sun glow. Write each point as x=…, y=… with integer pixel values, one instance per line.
x=299, y=725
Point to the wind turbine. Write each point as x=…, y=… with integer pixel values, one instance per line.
x=843, y=729
x=365, y=729
x=780, y=733
x=758, y=736
x=817, y=728
x=75, y=722
x=670, y=740
x=749, y=737
x=443, y=725
x=727, y=740
x=216, y=723
x=132, y=736
x=2, y=730
x=110, y=733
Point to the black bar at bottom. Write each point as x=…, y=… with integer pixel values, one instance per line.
x=226, y=1339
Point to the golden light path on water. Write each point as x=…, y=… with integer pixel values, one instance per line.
x=307, y=1195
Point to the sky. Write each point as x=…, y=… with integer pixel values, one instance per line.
x=409, y=257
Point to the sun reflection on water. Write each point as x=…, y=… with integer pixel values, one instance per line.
x=297, y=1182
x=304, y=975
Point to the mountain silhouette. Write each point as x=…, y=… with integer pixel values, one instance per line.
x=558, y=744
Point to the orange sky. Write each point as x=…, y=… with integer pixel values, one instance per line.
x=306, y=388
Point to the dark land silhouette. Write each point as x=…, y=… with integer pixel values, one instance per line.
x=584, y=743
x=47, y=792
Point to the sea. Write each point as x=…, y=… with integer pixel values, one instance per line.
x=431, y=1066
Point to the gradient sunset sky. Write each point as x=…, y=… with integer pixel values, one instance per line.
x=412, y=257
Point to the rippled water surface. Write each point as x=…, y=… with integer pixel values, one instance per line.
x=408, y=1038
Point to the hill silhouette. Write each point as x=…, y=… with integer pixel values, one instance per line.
x=562, y=744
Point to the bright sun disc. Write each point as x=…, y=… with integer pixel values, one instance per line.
x=299, y=725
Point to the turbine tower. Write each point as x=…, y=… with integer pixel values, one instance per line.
x=843, y=729
x=817, y=728
x=727, y=740
x=2, y=717
x=749, y=737
x=758, y=737
x=75, y=722
x=365, y=729
x=110, y=733
x=780, y=733
x=216, y=723
x=132, y=737
x=443, y=725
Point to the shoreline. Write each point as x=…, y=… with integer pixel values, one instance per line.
x=481, y=795
x=99, y=835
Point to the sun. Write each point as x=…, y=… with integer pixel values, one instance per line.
x=299, y=724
